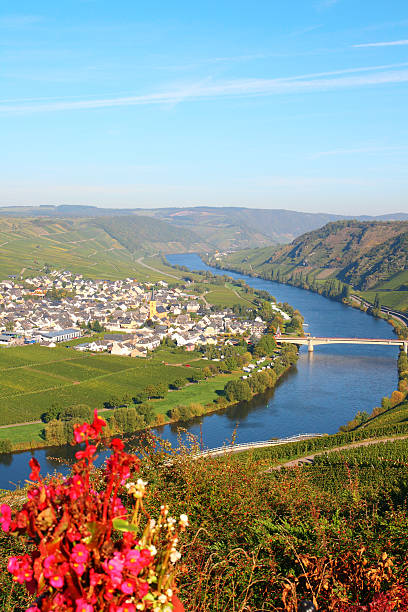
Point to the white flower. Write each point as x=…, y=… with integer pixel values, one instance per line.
x=162, y=598
x=152, y=549
x=140, y=488
x=175, y=556
x=183, y=522
x=169, y=593
x=128, y=485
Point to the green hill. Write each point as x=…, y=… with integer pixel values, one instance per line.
x=371, y=257
x=96, y=247
x=220, y=228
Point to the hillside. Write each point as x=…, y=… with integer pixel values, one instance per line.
x=219, y=228
x=372, y=257
x=96, y=247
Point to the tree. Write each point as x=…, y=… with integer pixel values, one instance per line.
x=178, y=383
x=150, y=391
x=161, y=389
x=51, y=414
x=77, y=413
x=237, y=391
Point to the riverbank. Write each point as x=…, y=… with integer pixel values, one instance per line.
x=341, y=295
x=194, y=400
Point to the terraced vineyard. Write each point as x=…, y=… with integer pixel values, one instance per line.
x=32, y=378
x=94, y=248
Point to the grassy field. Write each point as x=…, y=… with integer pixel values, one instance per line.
x=392, y=299
x=225, y=296
x=32, y=378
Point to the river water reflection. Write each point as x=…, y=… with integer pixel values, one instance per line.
x=323, y=391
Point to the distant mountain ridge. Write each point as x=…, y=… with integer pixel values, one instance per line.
x=214, y=228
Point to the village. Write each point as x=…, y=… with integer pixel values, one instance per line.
x=61, y=306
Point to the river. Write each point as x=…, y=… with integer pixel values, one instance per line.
x=323, y=391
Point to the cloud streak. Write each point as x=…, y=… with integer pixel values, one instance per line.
x=390, y=43
x=357, y=151
x=309, y=83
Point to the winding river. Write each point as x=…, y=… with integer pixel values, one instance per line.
x=323, y=391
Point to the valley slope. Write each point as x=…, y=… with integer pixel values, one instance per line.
x=371, y=257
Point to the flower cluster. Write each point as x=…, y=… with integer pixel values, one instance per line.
x=76, y=565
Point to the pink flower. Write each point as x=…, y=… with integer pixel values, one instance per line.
x=95, y=578
x=33, y=609
x=83, y=606
x=79, y=568
x=21, y=568
x=133, y=563
x=5, y=517
x=55, y=572
x=118, y=508
x=79, y=553
x=127, y=587
x=114, y=565
x=127, y=607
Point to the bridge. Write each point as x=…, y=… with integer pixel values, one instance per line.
x=312, y=341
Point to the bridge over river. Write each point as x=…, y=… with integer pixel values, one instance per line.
x=312, y=341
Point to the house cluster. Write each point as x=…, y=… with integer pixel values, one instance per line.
x=58, y=306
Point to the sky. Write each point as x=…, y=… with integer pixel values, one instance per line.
x=296, y=104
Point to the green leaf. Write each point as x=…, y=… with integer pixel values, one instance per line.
x=122, y=525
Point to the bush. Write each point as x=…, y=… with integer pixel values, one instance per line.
x=5, y=446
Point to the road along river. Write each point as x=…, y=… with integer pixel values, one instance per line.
x=323, y=391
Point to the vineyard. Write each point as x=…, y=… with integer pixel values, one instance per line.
x=32, y=378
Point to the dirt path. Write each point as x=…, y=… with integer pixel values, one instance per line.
x=308, y=459
x=141, y=262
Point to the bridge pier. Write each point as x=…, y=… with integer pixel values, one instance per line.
x=405, y=345
x=310, y=346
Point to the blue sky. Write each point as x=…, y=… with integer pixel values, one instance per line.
x=275, y=104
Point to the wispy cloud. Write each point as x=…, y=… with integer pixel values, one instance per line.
x=18, y=21
x=316, y=82
x=357, y=151
x=325, y=4
x=390, y=43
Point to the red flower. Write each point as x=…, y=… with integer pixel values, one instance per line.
x=117, y=444
x=87, y=453
x=79, y=553
x=5, y=517
x=83, y=432
x=21, y=568
x=98, y=424
x=35, y=469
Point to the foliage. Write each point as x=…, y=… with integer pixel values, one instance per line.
x=85, y=551
x=264, y=541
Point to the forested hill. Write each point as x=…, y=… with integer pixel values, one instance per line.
x=370, y=256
